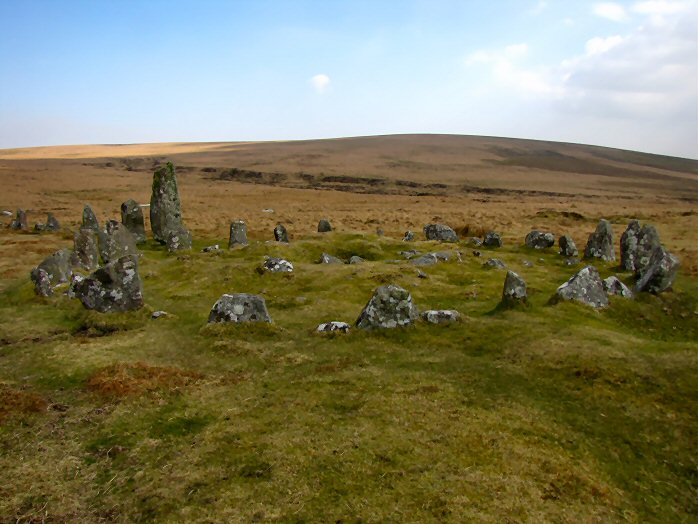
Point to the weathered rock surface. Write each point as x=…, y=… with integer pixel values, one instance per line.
x=20, y=221
x=425, y=260
x=514, y=291
x=494, y=263
x=659, y=274
x=178, y=240
x=567, y=246
x=42, y=282
x=474, y=241
x=89, y=219
x=390, y=307
x=334, y=327
x=492, y=239
x=355, y=259
x=85, y=250
x=58, y=266
x=324, y=226
x=440, y=232
x=276, y=265
x=52, y=223
x=280, y=233
x=613, y=286
x=585, y=287
x=75, y=281
x=600, y=243
x=539, y=240
x=239, y=307
x=115, y=287
x=116, y=242
x=441, y=316
x=215, y=248
x=132, y=219
x=238, y=234
x=329, y=259
x=411, y=253
x=628, y=246
x=409, y=236
x=165, y=205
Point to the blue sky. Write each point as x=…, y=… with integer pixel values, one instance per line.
x=619, y=74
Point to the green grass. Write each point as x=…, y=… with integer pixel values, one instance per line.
x=544, y=414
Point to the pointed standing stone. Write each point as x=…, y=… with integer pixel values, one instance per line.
x=238, y=234
x=514, y=290
x=85, y=250
x=116, y=242
x=324, y=226
x=280, y=233
x=132, y=218
x=567, y=246
x=20, y=221
x=390, y=307
x=165, y=206
x=600, y=243
x=89, y=219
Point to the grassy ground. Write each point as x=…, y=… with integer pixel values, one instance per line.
x=544, y=414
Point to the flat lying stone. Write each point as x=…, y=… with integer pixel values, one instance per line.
x=494, y=263
x=276, y=265
x=441, y=316
x=333, y=327
x=239, y=307
x=329, y=259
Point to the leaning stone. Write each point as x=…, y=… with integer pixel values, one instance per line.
x=333, y=327
x=239, y=307
x=613, y=286
x=58, y=266
x=280, y=234
x=390, y=306
x=324, y=226
x=276, y=265
x=113, y=288
x=116, y=242
x=567, y=246
x=600, y=243
x=329, y=259
x=539, y=240
x=85, y=250
x=514, y=291
x=132, y=219
x=356, y=260
x=440, y=232
x=42, y=282
x=409, y=236
x=89, y=219
x=20, y=221
x=628, y=246
x=585, y=287
x=165, y=206
x=425, y=260
x=492, y=239
x=494, y=263
x=238, y=234
x=441, y=316
x=660, y=272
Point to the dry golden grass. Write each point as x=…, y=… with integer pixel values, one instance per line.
x=15, y=401
x=123, y=380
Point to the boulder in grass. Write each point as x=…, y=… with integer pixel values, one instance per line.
x=116, y=287
x=58, y=266
x=613, y=286
x=425, y=260
x=334, y=327
x=355, y=259
x=329, y=259
x=585, y=287
x=116, y=241
x=441, y=316
x=280, y=233
x=42, y=282
x=660, y=272
x=567, y=246
x=440, y=232
x=324, y=226
x=539, y=240
x=238, y=234
x=492, y=239
x=85, y=250
x=239, y=307
x=52, y=223
x=494, y=263
x=390, y=306
x=600, y=243
x=132, y=219
x=514, y=292
x=275, y=265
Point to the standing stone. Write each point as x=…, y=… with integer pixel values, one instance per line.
x=492, y=239
x=165, y=206
x=132, y=218
x=280, y=233
x=585, y=287
x=115, y=287
x=57, y=266
x=89, y=219
x=239, y=307
x=647, y=243
x=539, y=240
x=52, y=223
x=238, y=234
x=567, y=246
x=178, y=240
x=85, y=250
x=20, y=221
x=514, y=292
x=440, y=232
x=409, y=236
x=42, y=282
x=628, y=246
x=116, y=241
x=324, y=226
x=660, y=272
x=600, y=243
x=390, y=306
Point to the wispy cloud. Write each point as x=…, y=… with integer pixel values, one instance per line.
x=610, y=11
x=320, y=83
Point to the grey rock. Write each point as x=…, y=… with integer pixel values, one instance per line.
x=514, y=291
x=52, y=223
x=494, y=263
x=613, y=286
x=647, y=243
x=324, y=226
x=474, y=241
x=158, y=314
x=425, y=260
x=380, y=232
x=527, y=263
x=6, y=213
x=75, y=281
x=409, y=236
x=276, y=265
x=238, y=234
x=628, y=246
x=356, y=260
x=539, y=240
x=132, y=219
x=20, y=221
x=390, y=307
x=42, y=282
x=421, y=274
x=280, y=233
x=178, y=240
x=85, y=250
x=585, y=287
x=492, y=239
x=239, y=307
x=440, y=232
x=567, y=246
x=116, y=241
x=329, y=259
x=166, y=207
x=572, y=261
x=89, y=219
x=660, y=272
x=443, y=256
x=58, y=266
x=409, y=253
x=215, y=248
x=334, y=327
x=39, y=227
x=115, y=287
x=441, y=316
x=600, y=243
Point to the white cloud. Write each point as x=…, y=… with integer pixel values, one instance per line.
x=660, y=7
x=599, y=45
x=610, y=11
x=320, y=83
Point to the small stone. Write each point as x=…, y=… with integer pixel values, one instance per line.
x=42, y=282
x=425, y=260
x=215, y=248
x=238, y=234
x=443, y=256
x=329, y=259
x=324, y=226
x=600, y=243
x=239, y=307
x=613, y=286
x=477, y=253
x=333, y=327
x=440, y=232
x=6, y=213
x=539, y=240
x=276, y=265
x=441, y=316
x=421, y=274
x=567, y=246
x=514, y=291
x=409, y=236
x=390, y=307
x=409, y=254
x=572, y=261
x=585, y=287
x=280, y=234
x=158, y=314
x=492, y=239
x=494, y=263
x=380, y=232
x=178, y=240
x=356, y=260
x=527, y=263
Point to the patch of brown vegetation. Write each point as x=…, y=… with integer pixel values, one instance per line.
x=15, y=401
x=128, y=379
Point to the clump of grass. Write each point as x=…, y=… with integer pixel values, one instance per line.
x=130, y=379
x=14, y=402
x=89, y=323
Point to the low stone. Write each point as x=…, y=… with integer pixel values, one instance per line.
x=494, y=263
x=514, y=291
x=409, y=236
x=660, y=272
x=116, y=241
x=572, y=261
x=474, y=241
x=238, y=234
x=6, y=213
x=178, y=240
x=42, y=282
x=477, y=253
x=324, y=226
x=613, y=286
x=215, y=248
x=329, y=259
x=280, y=234
x=380, y=232
x=356, y=260
x=20, y=221
x=585, y=287
x=334, y=327
x=85, y=250
x=276, y=265
x=133, y=221
x=58, y=266
x=440, y=232
x=539, y=240
x=492, y=239
x=421, y=274
x=390, y=307
x=425, y=260
x=600, y=243
x=409, y=254
x=115, y=287
x=239, y=307
x=158, y=314
x=567, y=246
x=39, y=227
x=441, y=316
x=443, y=256
x=526, y=263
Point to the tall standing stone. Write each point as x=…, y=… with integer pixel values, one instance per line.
x=89, y=219
x=116, y=242
x=567, y=246
x=165, y=206
x=647, y=244
x=85, y=250
x=20, y=221
x=600, y=243
x=238, y=234
x=280, y=233
x=324, y=226
x=132, y=218
x=628, y=246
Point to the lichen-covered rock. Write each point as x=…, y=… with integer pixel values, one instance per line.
x=178, y=240
x=425, y=260
x=355, y=259
x=58, y=266
x=390, y=307
x=113, y=288
x=539, y=240
x=215, y=248
x=441, y=316
x=647, y=243
x=334, y=327
x=329, y=259
x=165, y=205
x=514, y=291
x=613, y=286
x=585, y=287
x=409, y=236
x=75, y=281
x=89, y=219
x=132, y=219
x=567, y=246
x=600, y=243
x=85, y=250
x=280, y=233
x=492, y=239
x=660, y=272
x=238, y=234
x=20, y=221
x=42, y=282
x=239, y=307
x=628, y=246
x=440, y=232
x=275, y=265
x=494, y=263
x=324, y=226
x=116, y=242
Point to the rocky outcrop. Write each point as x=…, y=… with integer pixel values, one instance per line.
x=133, y=221
x=600, y=243
x=390, y=307
x=166, y=207
x=113, y=288
x=539, y=240
x=492, y=239
x=85, y=250
x=567, y=246
x=514, y=292
x=239, y=307
x=324, y=226
x=238, y=234
x=116, y=242
x=440, y=232
x=659, y=273
x=280, y=233
x=585, y=287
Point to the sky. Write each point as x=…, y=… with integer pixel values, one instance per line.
x=618, y=74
